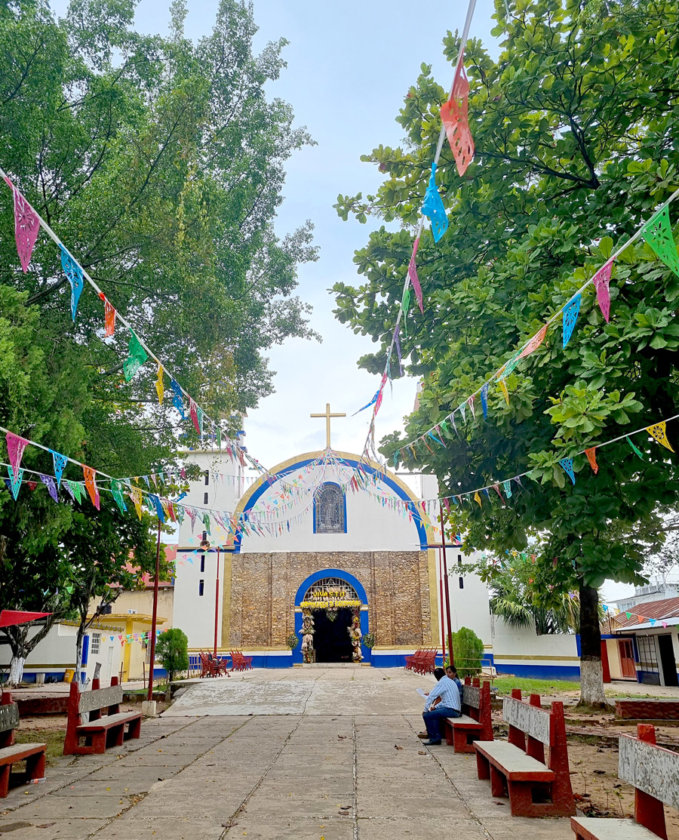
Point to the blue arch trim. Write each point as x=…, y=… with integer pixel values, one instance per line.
x=330, y=573
x=344, y=502
x=352, y=462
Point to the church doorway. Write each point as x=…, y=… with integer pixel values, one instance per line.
x=332, y=642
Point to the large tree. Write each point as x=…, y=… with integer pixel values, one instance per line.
x=576, y=132
x=160, y=163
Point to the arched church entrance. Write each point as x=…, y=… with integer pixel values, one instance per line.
x=331, y=619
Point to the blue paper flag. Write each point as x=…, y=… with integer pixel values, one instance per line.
x=178, y=397
x=438, y=440
x=433, y=207
x=75, y=277
x=570, y=316
x=367, y=405
x=508, y=488
x=49, y=482
x=15, y=480
x=567, y=464
x=160, y=513
x=60, y=462
x=484, y=400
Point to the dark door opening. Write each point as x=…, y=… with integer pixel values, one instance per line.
x=667, y=663
x=331, y=638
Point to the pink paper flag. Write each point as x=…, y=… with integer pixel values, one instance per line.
x=15, y=449
x=412, y=273
x=470, y=403
x=193, y=408
x=26, y=226
x=601, y=280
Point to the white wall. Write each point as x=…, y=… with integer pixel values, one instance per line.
x=193, y=613
x=469, y=601
x=522, y=646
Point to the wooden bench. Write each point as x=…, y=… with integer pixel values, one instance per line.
x=11, y=753
x=517, y=767
x=654, y=772
x=475, y=723
x=86, y=722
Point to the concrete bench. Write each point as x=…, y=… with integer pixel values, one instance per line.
x=517, y=767
x=98, y=731
x=11, y=753
x=654, y=772
x=474, y=724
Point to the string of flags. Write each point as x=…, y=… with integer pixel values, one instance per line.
x=454, y=126
x=621, y=615
x=657, y=232
x=27, y=224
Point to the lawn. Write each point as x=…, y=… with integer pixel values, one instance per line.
x=54, y=738
x=504, y=685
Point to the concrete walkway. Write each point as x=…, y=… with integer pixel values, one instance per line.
x=311, y=754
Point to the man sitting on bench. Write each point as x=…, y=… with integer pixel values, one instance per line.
x=442, y=702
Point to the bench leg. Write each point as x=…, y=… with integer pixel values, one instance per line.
x=521, y=799
x=463, y=741
x=98, y=742
x=35, y=766
x=135, y=729
x=4, y=780
x=482, y=766
x=497, y=783
x=116, y=736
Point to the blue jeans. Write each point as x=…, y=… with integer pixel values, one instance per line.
x=433, y=718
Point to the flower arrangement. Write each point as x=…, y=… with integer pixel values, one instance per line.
x=331, y=604
x=369, y=640
x=292, y=641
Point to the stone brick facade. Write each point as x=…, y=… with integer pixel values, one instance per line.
x=260, y=591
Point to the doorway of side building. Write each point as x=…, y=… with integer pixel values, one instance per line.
x=667, y=663
x=332, y=642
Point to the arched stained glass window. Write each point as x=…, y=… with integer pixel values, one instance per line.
x=330, y=512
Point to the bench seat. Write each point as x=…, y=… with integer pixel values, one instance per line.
x=599, y=828
x=513, y=762
x=17, y=752
x=109, y=721
x=466, y=721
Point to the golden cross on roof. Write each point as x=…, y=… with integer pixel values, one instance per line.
x=327, y=416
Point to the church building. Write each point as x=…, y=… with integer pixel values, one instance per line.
x=330, y=551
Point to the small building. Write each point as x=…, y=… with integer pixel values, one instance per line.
x=643, y=643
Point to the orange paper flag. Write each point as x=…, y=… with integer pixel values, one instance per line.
x=591, y=457
x=454, y=118
x=534, y=343
x=91, y=485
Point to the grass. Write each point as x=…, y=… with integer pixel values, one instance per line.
x=54, y=738
x=504, y=685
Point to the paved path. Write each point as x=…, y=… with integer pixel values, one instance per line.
x=307, y=753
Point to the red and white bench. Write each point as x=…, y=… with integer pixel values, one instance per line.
x=654, y=772
x=11, y=753
x=475, y=723
x=86, y=723
x=517, y=767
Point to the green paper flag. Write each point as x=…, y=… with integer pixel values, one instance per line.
x=117, y=493
x=657, y=232
x=405, y=306
x=76, y=489
x=136, y=358
x=219, y=438
x=206, y=521
x=634, y=448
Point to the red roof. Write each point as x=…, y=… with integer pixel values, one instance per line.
x=641, y=613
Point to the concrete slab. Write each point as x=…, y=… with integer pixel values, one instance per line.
x=54, y=829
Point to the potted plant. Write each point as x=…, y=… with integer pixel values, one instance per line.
x=368, y=641
x=292, y=641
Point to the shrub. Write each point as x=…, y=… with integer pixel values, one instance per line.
x=292, y=641
x=468, y=652
x=172, y=649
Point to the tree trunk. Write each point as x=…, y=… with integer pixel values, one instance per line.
x=16, y=670
x=591, y=672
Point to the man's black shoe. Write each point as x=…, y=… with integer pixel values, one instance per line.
x=431, y=743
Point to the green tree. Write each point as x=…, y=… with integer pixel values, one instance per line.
x=160, y=163
x=575, y=126
x=173, y=651
x=467, y=651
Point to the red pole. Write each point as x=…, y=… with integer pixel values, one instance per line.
x=154, y=616
x=216, y=604
x=445, y=586
x=443, y=609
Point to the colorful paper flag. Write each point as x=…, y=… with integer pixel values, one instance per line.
x=26, y=227
x=591, y=457
x=157, y=504
x=74, y=273
x=477, y=499
x=177, y=397
x=634, y=448
x=405, y=306
x=412, y=274
x=15, y=477
x=59, y=461
x=601, y=280
x=657, y=232
x=135, y=358
x=484, y=400
x=117, y=493
x=49, y=482
x=534, y=343
x=15, y=449
x=470, y=403
x=109, y=316
x=567, y=465
x=91, y=485
x=570, y=317
x=75, y=489
x=503, y=388
x=659, y=433
x=397, y=344
x=160, y=383
x=433, y=207
x=454, y=116
x=135, y=495
x=508, y=488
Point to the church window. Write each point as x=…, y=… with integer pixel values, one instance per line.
x=202, y=562
x=204, y=498
x=460, y=580
x=329, y=510
x=207, y=476
x=201, y=587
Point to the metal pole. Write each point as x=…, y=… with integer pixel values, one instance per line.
x=445, y=584
x=154, y=616
x=216, y=604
